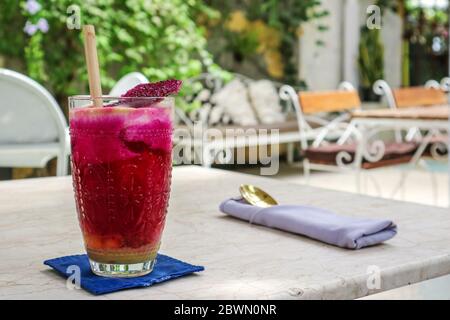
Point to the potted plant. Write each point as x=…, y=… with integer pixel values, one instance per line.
x=370, y=62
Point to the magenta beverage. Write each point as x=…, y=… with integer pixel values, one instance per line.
x=121, y=169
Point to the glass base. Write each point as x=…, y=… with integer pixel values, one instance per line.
x=122, y=270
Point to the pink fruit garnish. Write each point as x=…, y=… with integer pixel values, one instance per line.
x=156, y=89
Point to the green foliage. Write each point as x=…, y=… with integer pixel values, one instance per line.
x=388, y=4
x=11, y=25
x=371, y=50
x=158, y=38
x=286, y=16
x=371, y=57
x=241, y=44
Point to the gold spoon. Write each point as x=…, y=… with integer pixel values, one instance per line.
x=256, y=196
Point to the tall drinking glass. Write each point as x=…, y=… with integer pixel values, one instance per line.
x=121, y=170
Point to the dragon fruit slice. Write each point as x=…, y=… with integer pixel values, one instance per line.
x=156, y=89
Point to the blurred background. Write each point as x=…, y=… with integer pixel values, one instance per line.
x=311, y=45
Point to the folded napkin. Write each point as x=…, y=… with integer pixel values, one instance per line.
x=166, y=268
x=316, y=223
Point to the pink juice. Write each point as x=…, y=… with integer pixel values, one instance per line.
x=121, y=168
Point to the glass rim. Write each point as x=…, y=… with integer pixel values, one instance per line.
x=108, y=97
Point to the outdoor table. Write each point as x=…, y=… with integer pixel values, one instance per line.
x=424, y=118
x=38, y=222
x=431, y=119
x=431, y=113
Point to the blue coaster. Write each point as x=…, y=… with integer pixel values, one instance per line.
x=166, y=268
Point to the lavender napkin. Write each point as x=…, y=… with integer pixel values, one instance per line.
x=316, y=223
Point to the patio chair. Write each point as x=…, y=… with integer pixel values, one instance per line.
x=428, y=95
x=431, y=94
x=206, y=149
x=433, y=143
x=347, y=151
x=33, y=129
x=127, y=82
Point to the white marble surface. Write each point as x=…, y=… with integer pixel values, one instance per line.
x=38, y=221
x=433, y=289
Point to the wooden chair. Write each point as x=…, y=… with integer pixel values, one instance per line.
x=431, y=94
x=418, y=96
x=428, y=95
x=326, y=153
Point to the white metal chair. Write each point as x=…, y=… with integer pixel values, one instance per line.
x=33, y=129
x=432, y=93
x=434, y=142
x=337, y=145
x=127, y=82
x=317, y=129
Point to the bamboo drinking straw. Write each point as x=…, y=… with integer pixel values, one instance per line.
x=90, y=51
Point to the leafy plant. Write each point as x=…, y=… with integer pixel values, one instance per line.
x=287, y=16
x=13, y=39
x=371, y=57
x=241, y=44
x=371, y=50
x=388, y=4
x=159, y=38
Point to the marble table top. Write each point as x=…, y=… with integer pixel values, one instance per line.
x=38, y=222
